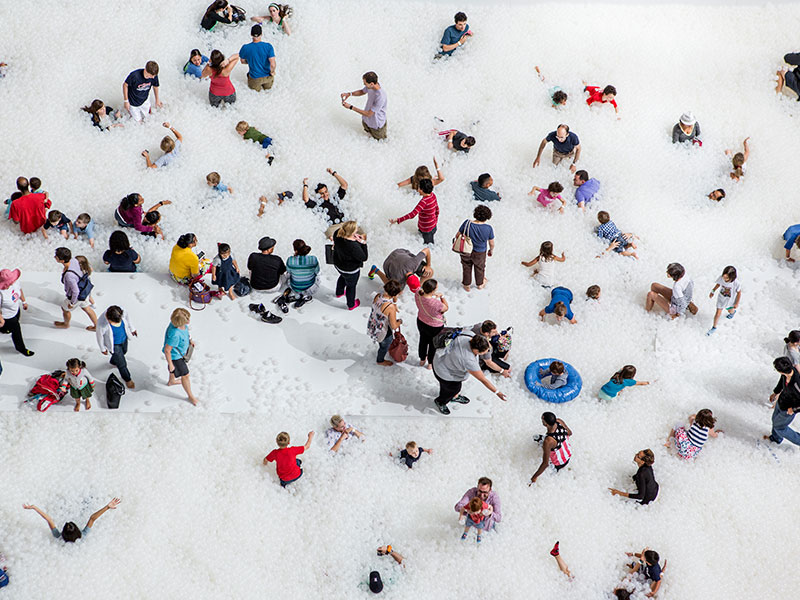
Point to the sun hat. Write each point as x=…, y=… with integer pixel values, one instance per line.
x=7, y=277
x=687, y=118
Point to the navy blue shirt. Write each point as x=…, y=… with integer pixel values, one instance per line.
x=652, y=572
x=567, y=145
x=410, y=460
x=121, y=263
x=139, y=87
x=451, y=36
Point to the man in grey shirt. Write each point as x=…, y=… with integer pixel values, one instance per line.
x=405, y=267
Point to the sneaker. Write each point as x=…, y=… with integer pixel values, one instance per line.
x=340, y=295
x=27, y=353
x=258, y=308
x=711, y=331
x=281, y=302
x=554, y=551
x=302, y=300
x=463, y=536
x=356, y=305
x=372, y=270
x=270, y=159
x=730, y=314
x=478, y=539
x=442, y=409
x=268, y=317
x=460, y=399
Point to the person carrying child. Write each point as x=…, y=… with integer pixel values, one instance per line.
x=171, y=149
x=84, y=225
x=225, y=271
x=114, y=329
x=739, y=160
x=412, y=453
x=560, y=300
x=689, y=441
x=618, y=382
x=544, y=273
x=676, y=300
x=619, y=242
x=730, y=290
x=12, y=298
x=287, y=465
x=546, y=196
x=476, y=514
x=79, y=382
x=77, y=287
x=554, y=377
x=28, y=209
x=60, y=222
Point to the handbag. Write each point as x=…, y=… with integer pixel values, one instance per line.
x=398, y=350
x=189, y=352
x=329, y=254
x=199, y=293
x=462, y=243
x=242, y=287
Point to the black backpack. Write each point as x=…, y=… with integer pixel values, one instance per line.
x=114, y=391
x=238, y=14
x=445, y=336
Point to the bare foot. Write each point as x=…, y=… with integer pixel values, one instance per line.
x=88, y=404
x=61, y=324
x=173, y=382
x=78, y=407
x=193, y=400
x=481, y=286
x=422, y=363
x=429, y=367
x=130, y=384
x=386, y=363
x=668, y=444
x=466, y=287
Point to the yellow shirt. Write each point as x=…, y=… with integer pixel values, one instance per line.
x=183, y=262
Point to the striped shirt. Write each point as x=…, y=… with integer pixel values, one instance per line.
x=428, y=211
x=561, y=454
x=697, y=435
x=302, y=271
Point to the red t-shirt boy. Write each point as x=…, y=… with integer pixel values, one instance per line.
x=607, y=94
x=285, y=458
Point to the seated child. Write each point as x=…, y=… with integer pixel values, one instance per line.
x=730, y=294
x=477, y=516
x=607, y=95
x=618, y=382
x=717, y=195
x=547, y=196
x=60, y=221
x=254, y=135
x=649, y=567
x=554, y=376
x=285, y=458
x=213, y=181
x=84, y=226
x=593, y=292
x=457, y=141
x=170, y=148
x=194, y=66
x=739, y=160
x=618, y=242
x=689, y=441
x=225, y=271
x=412, y=453
x=36, y=187
x=544, y=272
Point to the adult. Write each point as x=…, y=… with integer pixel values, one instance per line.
x=136, y=90
x=114, y=329
x=218, y=11
x=458, y=141
x=349, y=253
x=29, y=210
x=278, y=16
x=560, y=305
x=219, y=70
x=555, y=445
x=687, y=129
x=12, y=298
x=431, y=307
x=646, y=484
x=791, y=348
x=339, y=432
x=789, y=80
x=677, y=300
x=329, y=206
x=455, y=35
x=120, y=257
x=790, y=236
x=71, y=277
x=267, y=271
x=494, y=362
x=194, y=66
x=102, y=116
x=485, y=492
x=587, y=188
x=303, y=273
x=259, y=56
x=129, y=213
x=427, y=209
x=70, y=532
x=383, y=321
x=717, y=195
x=453, y=365
x=178, y=348
x=787, y=394
x=481, y=189
x=184, y=264
x=482, y=236
x=420, y=173
x=566, y=144
x=373, y=116
x=405, y=267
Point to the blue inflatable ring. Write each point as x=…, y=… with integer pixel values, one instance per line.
x=557, y=396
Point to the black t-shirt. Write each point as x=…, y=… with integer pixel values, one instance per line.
x=139, y=87
x=265, y=270
x=457, y=139
x=121, y=263
x=789, y=394
x=212, y=19
x=334, y=214
x=410, y=460
x=646, y=485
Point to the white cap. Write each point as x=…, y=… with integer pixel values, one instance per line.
x=687, y=118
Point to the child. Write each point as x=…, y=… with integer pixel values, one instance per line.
x=649, y=567
x=3, y=568
x=689, y=443
x=412, y=453
x=608, y=94
x=36, y=187
x=554, y=376
x=546, y=196
x=213, y=181
x=427, y=209
x=729, y=288
x=558, y=97
x=593, y=292
x=546, y=261
x=225, y=270
x=87, y=268
x=618, y=382
x=60, y=221
x=739, y=161
x=285, y=458
x=170, y=148
x=254, y=135
x=84, y=226
x=618, y=242
x=560, y=305
x=80, y=383
x=478, y=513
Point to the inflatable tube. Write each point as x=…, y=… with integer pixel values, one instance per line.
x=557, y=396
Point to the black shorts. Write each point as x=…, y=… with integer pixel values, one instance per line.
x=181, y=368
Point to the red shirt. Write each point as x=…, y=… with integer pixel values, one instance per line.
x=285, y=460
x=596, y=95
x=29, y=211
x=428, y=211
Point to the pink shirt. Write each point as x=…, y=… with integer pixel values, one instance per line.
x=545, y=198
x=430, y=310
x=221, y=86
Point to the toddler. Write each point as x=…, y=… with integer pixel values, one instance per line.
x=36, y=186
x=607, y=95
x=593, y=292
x=558, y=97
x=80, y=383
x=739, y=161
x=546, y=196
x=730, y=290
x=254, y=135
x=225, y=270
x=412, y=453
x=477, y=515
x=546, y=265
x=554, y=376
x=213, y=181
x=619, y=242
x=170, y=148
x=60, y=221
x=84, y=226
x=618, y=382
x=285, y=458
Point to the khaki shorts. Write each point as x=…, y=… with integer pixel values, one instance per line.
x=260, y=83
x=559, y=156
x=80, y=304
x=378, y=134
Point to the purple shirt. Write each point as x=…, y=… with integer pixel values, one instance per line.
x=587, y=191
x=376, y=102
x=493, y=500
x=70, y=280
x=133, y=217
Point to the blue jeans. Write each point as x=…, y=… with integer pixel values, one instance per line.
x=119, y=361
x=780, y=427
x=383, y=347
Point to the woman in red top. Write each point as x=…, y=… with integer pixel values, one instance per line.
x=428, y=211
x=219, y=70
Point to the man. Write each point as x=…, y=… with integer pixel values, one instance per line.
x=260, y=57
x=71, y=276
x=29, y=210
x=136, y=91
x=373, y=117
x=565, y=145
x=495, y=364
x=267, y=272
x=327, y=205
x=455, y=35
x=787, y=392
x=405, y=267
x=481, y=191
x=485, y=492
x=587, y=188
x=717, y=195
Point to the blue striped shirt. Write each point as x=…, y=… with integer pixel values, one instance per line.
x=697, y=435
x=302, y=272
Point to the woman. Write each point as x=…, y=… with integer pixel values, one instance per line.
x=676, y=300
x=349, y=254
x=70, y=532
x=787, y=394
x=120, y=257
x=430, y=319
x=114, y=329
x=184, y=264
x=278, y=16
x=219, y=70
x=421, y=173
x=102, y=116
x=218, y=12
x=482, y=236
x=11, y=298
x=383, y=321
x=646, y=485
x=303, y=272
x=686, y=130
x=791, y=349
x=178, y=347
x=194, y=66
x=129, y=214
x=555, y=445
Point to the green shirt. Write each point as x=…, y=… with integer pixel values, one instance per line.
x=254, y=135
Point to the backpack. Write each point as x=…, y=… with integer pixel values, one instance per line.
x=242, y=287
x=47, y=390
x=200, y=293
x=85, y=285
x=445, y=336
x=114, y=391
x=502, y=341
